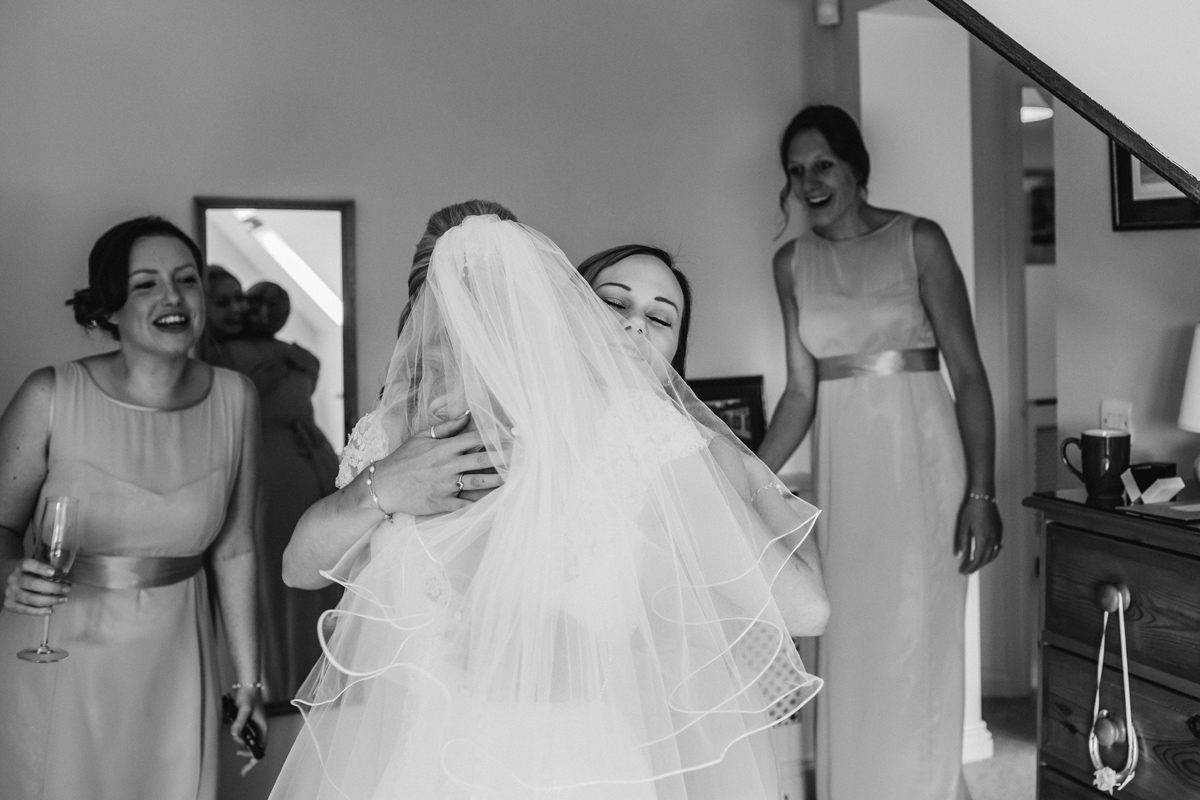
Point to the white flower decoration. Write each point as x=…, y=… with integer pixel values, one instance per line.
x=1106, y=779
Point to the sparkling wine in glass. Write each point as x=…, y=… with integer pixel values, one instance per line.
x=57, y=542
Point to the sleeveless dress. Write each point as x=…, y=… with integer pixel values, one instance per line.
x=133, y=712
x=889, y=475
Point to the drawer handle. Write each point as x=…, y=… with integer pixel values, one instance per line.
x=1109, y=731
x=1110, y=595
x=1194, y=725
x=1105, y=729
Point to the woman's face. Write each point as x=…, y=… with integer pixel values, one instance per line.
x=227, y=307
x=164, y=310
x=821, y=182
x=644, y=292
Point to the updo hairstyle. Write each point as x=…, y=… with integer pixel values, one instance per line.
x=108, y=270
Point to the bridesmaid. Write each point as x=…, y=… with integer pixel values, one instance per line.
x=641, y=283
x=160, y=450
x=904, y=474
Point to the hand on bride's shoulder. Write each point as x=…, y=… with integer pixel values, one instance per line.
x=434, y=471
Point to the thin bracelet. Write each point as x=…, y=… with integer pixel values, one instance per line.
x=255, y=685
x=981, y=496
x=771, y=485
x=371, y=489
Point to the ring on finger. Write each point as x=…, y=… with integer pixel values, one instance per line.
x=432, y=434
x=459, y=483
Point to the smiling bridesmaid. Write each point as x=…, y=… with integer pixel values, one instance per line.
x=872, y=300
x=161, y=452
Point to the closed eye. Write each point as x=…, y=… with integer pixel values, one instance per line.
x=614, y=303
x=663, y=322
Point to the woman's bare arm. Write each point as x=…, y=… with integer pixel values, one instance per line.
x=794, y=412
x=944, y=295
x=234, y=567
x=24, y=443
x=418, y=478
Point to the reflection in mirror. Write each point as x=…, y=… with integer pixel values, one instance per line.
x=279, y=312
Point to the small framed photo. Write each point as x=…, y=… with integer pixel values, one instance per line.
x=1144, y=200
x=738, y=401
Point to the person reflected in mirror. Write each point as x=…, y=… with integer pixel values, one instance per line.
x=161, y=452
x=227, y=301
x=439, y=470
x=298, y=468
x=904, y=473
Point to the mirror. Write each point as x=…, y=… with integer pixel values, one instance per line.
x=281, y=311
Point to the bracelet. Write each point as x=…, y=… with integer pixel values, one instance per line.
x=771, y=485
x=371, y=489
x=255, y=685
x=981, y=496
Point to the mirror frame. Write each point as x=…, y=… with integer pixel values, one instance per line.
x=200, y=207
x=1069, y=93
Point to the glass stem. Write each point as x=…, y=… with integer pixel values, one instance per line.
x=45, y=633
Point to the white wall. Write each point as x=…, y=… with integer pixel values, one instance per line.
x=1127, y=304
x=916, y=100
x=1131, y=58
x=597, y=123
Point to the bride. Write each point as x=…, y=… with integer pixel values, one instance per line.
x=613, y=622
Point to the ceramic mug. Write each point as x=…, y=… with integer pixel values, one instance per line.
x=1103, y=456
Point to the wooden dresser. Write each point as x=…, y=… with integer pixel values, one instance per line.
x=1084, y=550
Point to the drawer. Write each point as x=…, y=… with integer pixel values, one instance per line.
x=1162, y=623
x=1167, y=724
x=1052, y=785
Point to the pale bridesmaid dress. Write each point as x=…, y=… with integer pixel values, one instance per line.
x=133, y=713
x=889, y=475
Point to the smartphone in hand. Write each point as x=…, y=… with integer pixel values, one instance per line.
x=251, y=735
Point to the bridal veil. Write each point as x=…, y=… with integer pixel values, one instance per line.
x=602, y=625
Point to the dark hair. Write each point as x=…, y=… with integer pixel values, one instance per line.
x=593, y=265
x=108, y=270
x=216, y=272
x=841, y=133
x=439, y=222
x=277, y=302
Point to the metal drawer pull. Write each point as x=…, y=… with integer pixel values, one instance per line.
x=1108, y=595
x=1106, y=729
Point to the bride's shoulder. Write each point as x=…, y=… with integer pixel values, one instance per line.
x=661, y=430
x=368, y=442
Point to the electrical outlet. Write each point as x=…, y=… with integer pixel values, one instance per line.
x=1116, y=414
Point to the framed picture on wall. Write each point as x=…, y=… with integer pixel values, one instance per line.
x=1144, y=200
x=738, y=401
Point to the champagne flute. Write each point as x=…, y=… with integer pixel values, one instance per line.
x=57, y=542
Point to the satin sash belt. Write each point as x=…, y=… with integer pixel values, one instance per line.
x=134, y=572
x=885, y=362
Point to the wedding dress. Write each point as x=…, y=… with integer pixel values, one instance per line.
x=602, y=625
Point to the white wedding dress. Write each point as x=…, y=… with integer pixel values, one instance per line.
x=601, y=626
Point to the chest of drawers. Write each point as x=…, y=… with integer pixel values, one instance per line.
x=1085, y=551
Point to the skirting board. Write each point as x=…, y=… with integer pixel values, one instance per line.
x=977, y=742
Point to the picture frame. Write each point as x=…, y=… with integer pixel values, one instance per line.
x=1144, y=200
x=738, y=401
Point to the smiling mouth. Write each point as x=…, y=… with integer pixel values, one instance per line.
x=172, y=322
x=819, y=200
